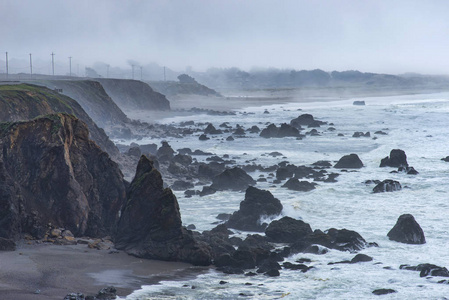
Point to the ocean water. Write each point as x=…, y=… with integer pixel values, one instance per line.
x=417, y=124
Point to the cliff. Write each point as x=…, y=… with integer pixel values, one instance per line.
x=174, y=88
x=134, y=94
x=52, y=173
x=93, y=99
x=25, y=102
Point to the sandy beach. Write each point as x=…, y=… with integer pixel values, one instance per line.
x=53, y=271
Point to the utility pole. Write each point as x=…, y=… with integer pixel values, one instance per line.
x=107, y=71
x=140, y=73
x=70, y=66
x=164, y=73
x=31, y=68
x=53, y=63
x=7, y=68
x=133, y=71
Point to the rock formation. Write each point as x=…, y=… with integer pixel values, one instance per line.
x=150, y=224
x=257, y=203
x=396, y=159
x=407, y=230
x=232, y=179
x=351, y=161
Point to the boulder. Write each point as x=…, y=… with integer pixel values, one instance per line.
x=407, y=230
x=380, y=292
x=300, y=186
x=210, y=129
x=287, y=230
x=232, y=179
x=203, y=137
x=396, y=159
x=306, y=120
x=257, y=203
x=387, y=185
x=150, y=224
x=285, y=130
x=351, y=161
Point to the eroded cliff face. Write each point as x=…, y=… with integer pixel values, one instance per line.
x=52, y=173
x=25, y=102
x=134, y=95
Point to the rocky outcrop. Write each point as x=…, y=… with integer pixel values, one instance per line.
x=396, y=159
x=134, y=94
x=257, y=203
x=232, y=179
x=287, y=230
x=26, y=101
x=150, y=224
x=407, y=230
x=351, y=161
x=306, y=120
x=285, y=130
x=387, y=185
x=52, y=173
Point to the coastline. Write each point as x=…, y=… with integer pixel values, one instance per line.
x=42, y=271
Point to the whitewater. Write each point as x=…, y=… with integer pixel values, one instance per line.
x=416, y=124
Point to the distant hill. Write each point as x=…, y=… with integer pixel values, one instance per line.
x=185, y=86
x=234, y=78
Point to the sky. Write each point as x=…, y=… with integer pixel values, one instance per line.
x=372, y=36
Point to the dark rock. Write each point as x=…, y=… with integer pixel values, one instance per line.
x=107, y=293
x=134, y=151
x=203, y=137
x=268, y=265
x=191, y=227
x=322, y=164
x=303, y=268
x=150, y=224
x=180, y=185
x=210, y=129
x=257, y=203
x=361, y=258
x=239, y=131
x=361, y=134
x=232, y=179
x=306, y=120
x=296, y=185
x=210, y=170
x=346, y=240
x=182, y=159
x=284, y=173
x=351, y=161
x=380, y=292
x=254, y=129
x=207, y=190
x=284, y=130
x=287, y=230
x=185, y=151
x=380, y=132
x=446, y=159
x=272, y=273
x=407, y=230
x=7, y=245
x=229, y=138
x=387, y=185
x=396, y=159
x=408, y=170
x=369, y=181
x=223, y=217
x=358, y=102
x=165, y=153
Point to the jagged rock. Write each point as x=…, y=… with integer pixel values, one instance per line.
x=351, y=161
x=407, y=230
x=380, y=292
x=287, y=230
x=387, y=185
x=257, y=203
x=150, y=224
x=232, y=179
x=300, y=186
x=396, y=159
x=51, y=169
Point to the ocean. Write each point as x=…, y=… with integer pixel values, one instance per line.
x=417, y=124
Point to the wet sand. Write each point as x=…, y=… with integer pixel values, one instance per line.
x=53, y=271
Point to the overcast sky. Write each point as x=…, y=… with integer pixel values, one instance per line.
x=372, y=36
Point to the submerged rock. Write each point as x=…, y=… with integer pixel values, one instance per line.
x=407, y=230
x=380, y=292
x=300, y=186
x=387, y=185
x=257, y=203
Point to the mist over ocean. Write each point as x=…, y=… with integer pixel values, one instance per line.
x=416, y=124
